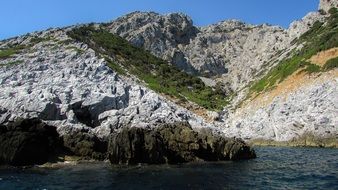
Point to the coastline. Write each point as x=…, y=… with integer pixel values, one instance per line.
x=306, y=140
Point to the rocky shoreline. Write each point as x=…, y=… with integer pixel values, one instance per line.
x=28, y=142
x=92, y=92
x=306, y=140
x=32, y=142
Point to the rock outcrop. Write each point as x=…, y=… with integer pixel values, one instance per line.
x=69, y=86
x=311, y=108
x=230, y=52
x=326, y=5
x=236, y=54
x=86, y=145
x=31, y=141
x=173, y=143
x=157, y=33
x=28, y=142
x=224, y=49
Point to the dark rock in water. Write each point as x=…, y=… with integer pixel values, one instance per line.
x=27, y=142
x=85, y=145
x=30, y=142
x=136, y=145
x=173, y=143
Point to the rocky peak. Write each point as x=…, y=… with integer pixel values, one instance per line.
x=326, y=5
x=137, y=27
x=225, y=26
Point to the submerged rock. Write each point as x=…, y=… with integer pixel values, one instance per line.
x=174, y=143
x=27, y=142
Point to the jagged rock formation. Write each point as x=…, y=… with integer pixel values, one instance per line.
x=300, y=103
x=232, y=51
x=310, y=108
x=50, y=76
x=236, y=54
x=173, y=143
x=299, y=27
x=84, y=144
x=157, y=33
x=28, y=142
x=31, y=141
x=68, y=85
x=326, y=5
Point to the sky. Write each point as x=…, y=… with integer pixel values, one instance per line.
x=18, y=17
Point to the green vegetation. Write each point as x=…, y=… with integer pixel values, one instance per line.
x=6, y=53
x=78, y=50
x=331, y=64
x=116, y=67
x=319, y=38
x=64, y=42
x=9, y=52
x=15, y=49
x=156, y=73
x=312, y=68
x=36, y=40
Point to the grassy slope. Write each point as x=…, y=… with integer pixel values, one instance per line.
x=319, y=38
x=156, y=73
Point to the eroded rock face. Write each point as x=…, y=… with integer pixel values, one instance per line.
x=27, y=142
x=69, y=86
x=158, y=33
x=173, y=143
x=86, y=145
x=299, y=27
x=312, y=108
x=232, y=51
x=31, y=141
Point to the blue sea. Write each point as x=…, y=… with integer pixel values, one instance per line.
x=275, y=168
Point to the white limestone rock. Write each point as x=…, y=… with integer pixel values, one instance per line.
x=68, y=86
x=326, y=5
x=231, y=51
x=312, y=109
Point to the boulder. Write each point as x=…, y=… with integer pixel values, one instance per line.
x=173, y=143
x=27, y=142
x=85, y=145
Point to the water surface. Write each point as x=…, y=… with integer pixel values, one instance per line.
x=275, y=168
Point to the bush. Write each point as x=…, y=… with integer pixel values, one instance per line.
x=331, y=64
x=312, y=68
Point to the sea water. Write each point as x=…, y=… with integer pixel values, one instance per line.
x=275, y=168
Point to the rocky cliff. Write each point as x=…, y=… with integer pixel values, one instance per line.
x=267, y=82
x=235, y=55
x=296, y=99
x=230, y=52
x=66, y=83
x=62, y=81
